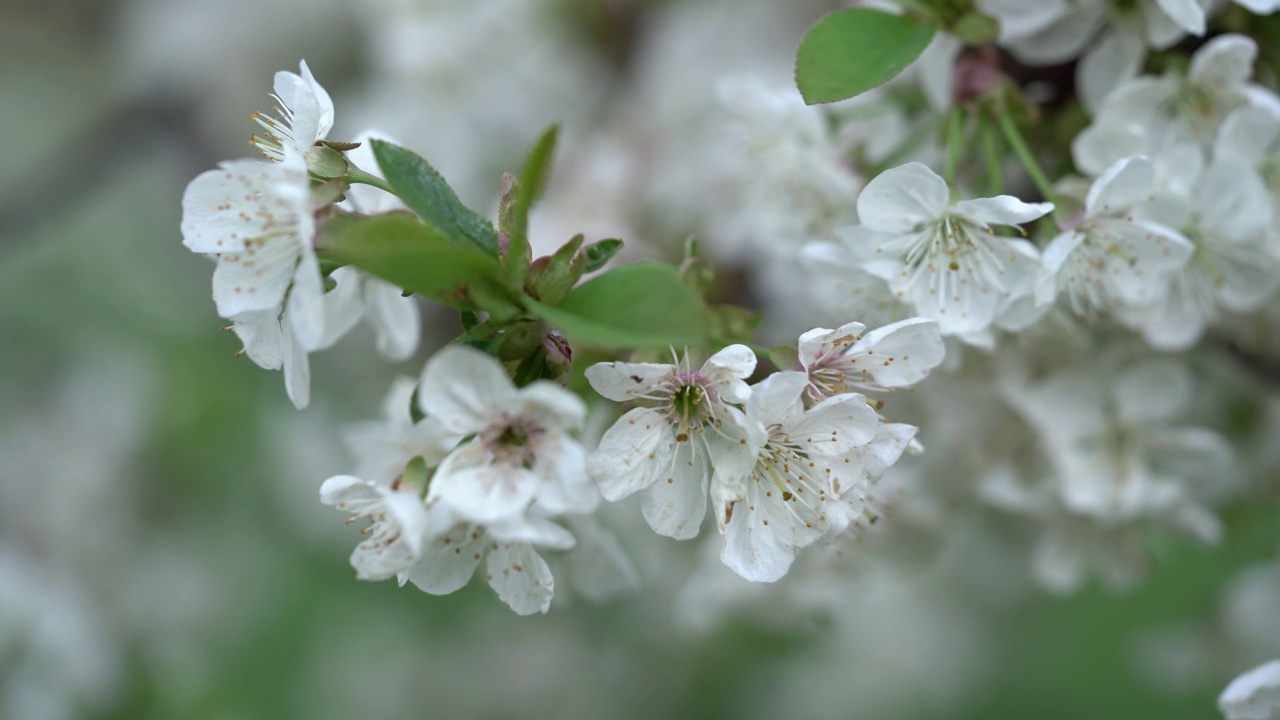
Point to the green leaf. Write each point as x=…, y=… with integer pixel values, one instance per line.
x=851, y=51
x=599, y=253
x=532, y=183
x=422, y=189
x=634, y=306
x=418, y=257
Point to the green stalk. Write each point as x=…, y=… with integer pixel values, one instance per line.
x=991, y=148
x=1028, y=160
x=359, y=177
x=955, y=144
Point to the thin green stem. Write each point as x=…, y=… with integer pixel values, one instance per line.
x=955, y=144
x=1028, y=160
x=359, y=177
x=991, y=148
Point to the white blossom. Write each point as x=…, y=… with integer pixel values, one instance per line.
x=397, y=523
x=383, y=448
x=1111, y=258
x=256, y=219
x=802, y=467
x=944, y=259
x=1254, y=695
x=671, y=450
x=521, y=452
x=304, y=114
x=1149, y=114
x=848, y=358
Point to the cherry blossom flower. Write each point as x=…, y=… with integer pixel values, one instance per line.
x=1254, y=695
x=801, y=467
x=521, y=452
x=945, y=259
x=304, y=114
x=1111, y=258
x=397, y=523
x=256, y=219
x=849, y=358
x=671, y=450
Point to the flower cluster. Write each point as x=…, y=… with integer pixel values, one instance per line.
x=258, y=220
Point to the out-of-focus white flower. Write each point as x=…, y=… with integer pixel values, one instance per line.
x=514, y=569
x=670, y=450
x=1117, y=463
x=838, y=284
x=1254, y=695
x=383, y=448
x=397, y=523
x=1226, y=213
x=802, y=467
x=893, y=356
x=521, y=452
x=1252, y=134
x=304, y=114
x=1110, y=258
x=1146, y=115
x=794, y=182
x=942, y=258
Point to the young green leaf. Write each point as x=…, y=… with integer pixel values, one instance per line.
x=851, y=51
x=600, y=252
x=634, y=306
x=526, y=192
x=418, y=257
x=426, y=193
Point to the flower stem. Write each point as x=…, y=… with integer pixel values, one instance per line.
x=1027, y=159
x=359, y=177
x=955, y=143
x=991, y=148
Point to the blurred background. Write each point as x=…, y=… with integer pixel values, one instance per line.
x=163, y=553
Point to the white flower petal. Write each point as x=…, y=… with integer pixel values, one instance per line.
x=244, y=282
x=306, y=304
x=533, y=530
x=836, y=426
x=1002, y=210
x=449, y=561
x=1125, y=183
x=676, y=504
x=396, y=319
x=479, y=490
x=1254, y=695
x=754, y=546
x=1154, y=391
x=1114, y=59
x=561, y=467
x=632, y=455
x=1188, y=14
x=726, y=371
x=521, y=578
x=1223, y=62
x=898, y=199
x=297, y=371
x=905, y=351
x=465, y=389
x=622, y=382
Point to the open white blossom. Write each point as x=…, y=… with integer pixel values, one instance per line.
x=270, y=341
x=521, y=452
x=669, y=450
x=1226, y=214
x=1149, y=114
x=1254, y=695
x=1110, y=258
x=802, y=468
x=849, y=358
x=514, y=569
x=945, y=259
x=397, y=523
x=256, y=219
x=304, y=114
